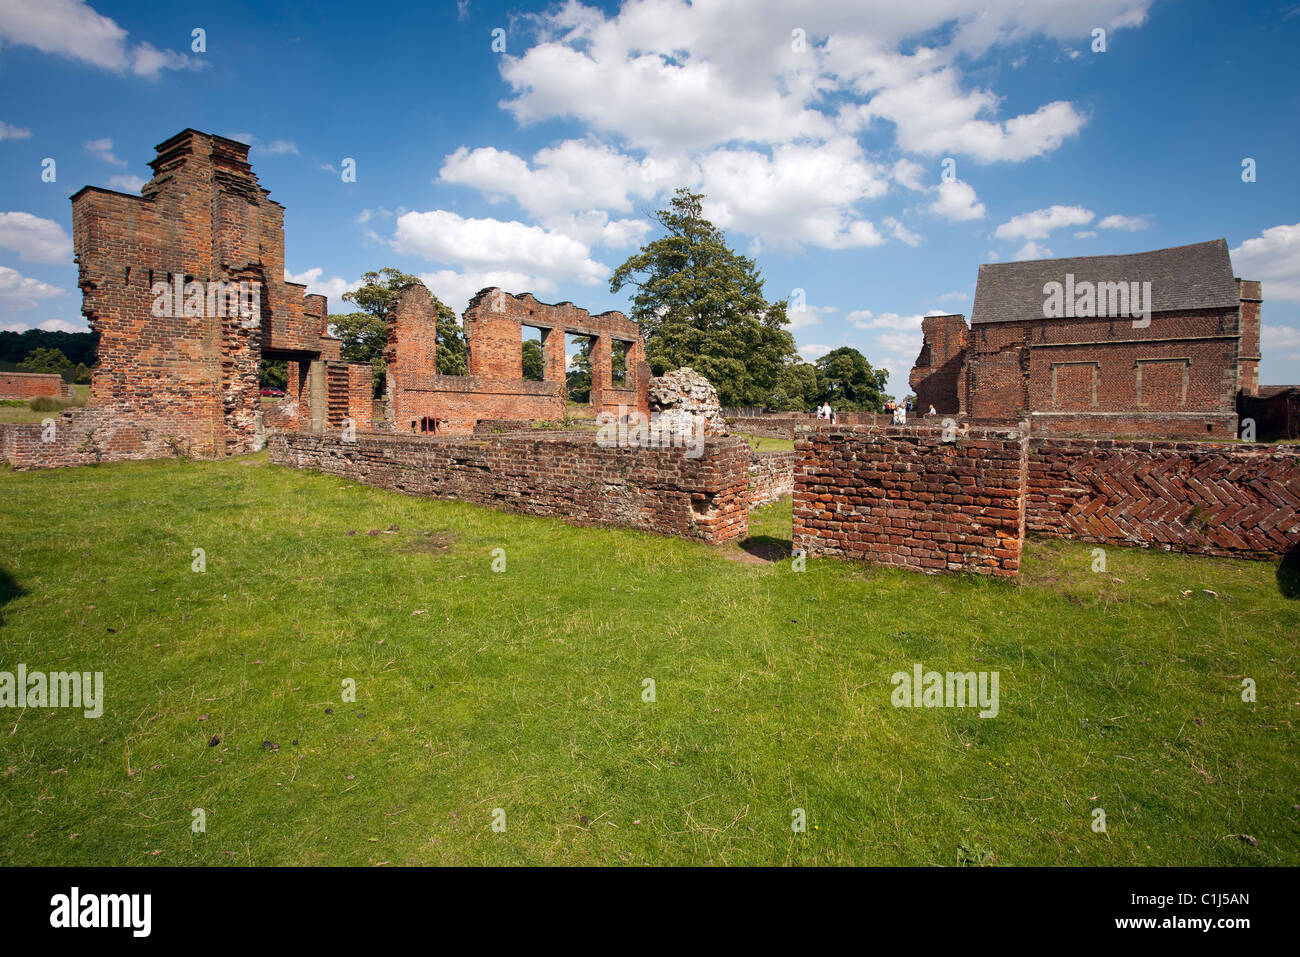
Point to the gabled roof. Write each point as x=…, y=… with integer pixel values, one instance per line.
x=1182, y=277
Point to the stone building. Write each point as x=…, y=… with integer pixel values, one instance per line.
x=1154, y=344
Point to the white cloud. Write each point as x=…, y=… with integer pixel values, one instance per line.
x=909, y=173
x=126, y=183
x=103, y=149
x=957, y=202
x=276, y=147
x=8, y=132
x=1278, y=337
x=332, y=288
x=932, y=115
x=62, y=325
x=493, y=244
x=456, y=289
x=1086, y=234
x=1040, y=223
x=901, y=232
x=1031, y=250
x=798, y=194
x=953, y=297
x=694, y=76
x=866, y=319
x=811, y=353
x=1272, y=258
x=35, y=240
x=1129, y=223
x=573, y=176
x=22, y=292
x=71, y=28
x=806, y=317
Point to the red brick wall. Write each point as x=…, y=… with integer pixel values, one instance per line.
x=202, y=217
x=771, y=475
x=566, y=475
x=1234, y=500
x=29, y=385
x=83, y=436
x=1173, y=425
x=938, y=378
x=495, y=388
x=1184, y=362
x=1251, y=303
x=902, y=496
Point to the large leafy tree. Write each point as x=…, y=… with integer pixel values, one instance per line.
x=847, y=381
x=365, y=332
x=700, y=304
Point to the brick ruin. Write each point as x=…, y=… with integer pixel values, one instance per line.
x=963, y=499
x=418, y=399
x=29, y=385
x=184, y=286
x=184, y=379
x=1176, y=372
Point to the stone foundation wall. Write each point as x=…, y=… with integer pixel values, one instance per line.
x=565, y=474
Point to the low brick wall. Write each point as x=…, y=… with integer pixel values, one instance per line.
x=771, y=475
x=1216, y=499
x=768, y=426
x=1154, y=425
x=903, y=496
x=85, y=436
x=562, y=474
x=487, y=426
x=29, y=385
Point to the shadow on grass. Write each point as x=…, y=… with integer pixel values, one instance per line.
x=1288, y=573
x=767, y=547
x=9, y=590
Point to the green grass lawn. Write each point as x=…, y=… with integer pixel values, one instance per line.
x=523, y=690
x=21, y=411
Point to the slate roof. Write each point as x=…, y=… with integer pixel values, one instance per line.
x=1182, y=277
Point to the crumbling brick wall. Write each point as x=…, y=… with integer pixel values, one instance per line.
x=421, y=401
x=771, y=475
x=566, y=475
x=1234, y=500
x=29, y=385
x=175, y=373
x=902, y=496
x=939, y=376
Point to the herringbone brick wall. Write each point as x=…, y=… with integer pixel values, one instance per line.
x=1233, y=500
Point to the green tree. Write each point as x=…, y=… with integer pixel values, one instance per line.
x=847, y=381
x=46, y=360
x=578, y=377
x=533, y=360
x=274, y=374
x=365, y=333
x=797, y=388
x=700, y=304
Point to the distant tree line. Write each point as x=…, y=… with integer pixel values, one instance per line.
x=70, y=354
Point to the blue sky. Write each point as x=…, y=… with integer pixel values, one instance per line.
x=819, y=133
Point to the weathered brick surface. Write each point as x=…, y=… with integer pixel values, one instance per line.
x=771, y=475
x=938, y=378
x=29, y=385
x=566, y=475
x=420, y=401
x=902, y=496
x=190, y=382
x=1177, y=377
x=1233, y=500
